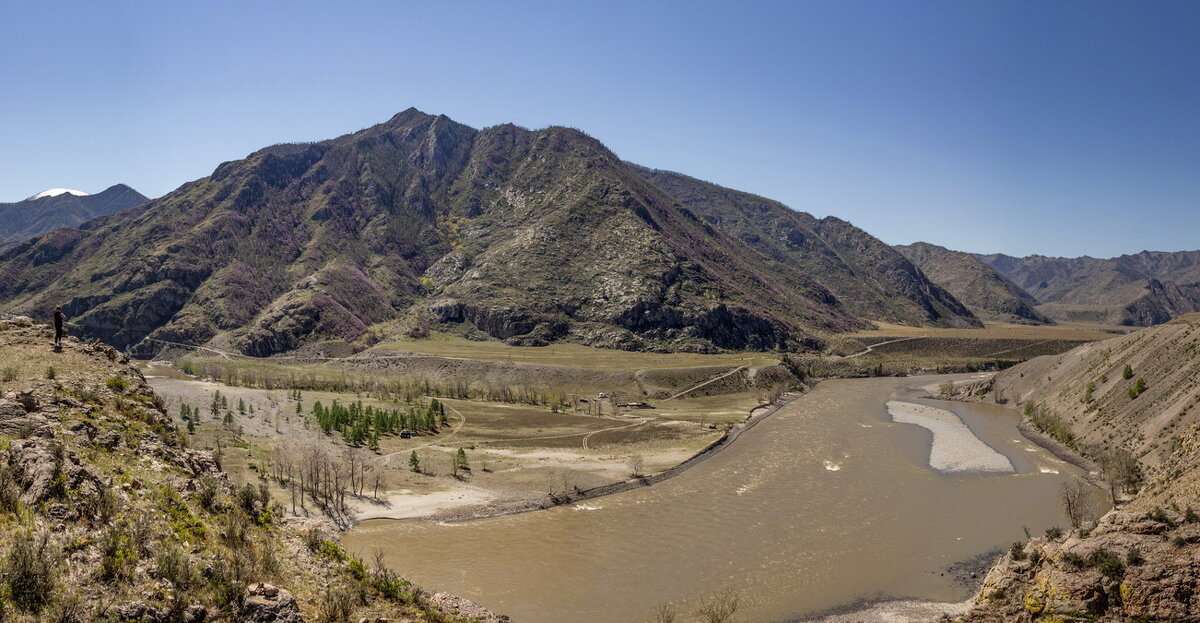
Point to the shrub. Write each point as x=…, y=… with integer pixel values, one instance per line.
x=1017, y=551
x=29, y=571
x=9, y=373
x=1134, y=557
x=116, y=555
x=1161, y=516
x=175, y=566
x=1107, y=563
x=1054, y=533
x=338, y=604
x=314, y=539
x=207, y=493
x=117, y=383
x=1127, y=373
x=51, y=373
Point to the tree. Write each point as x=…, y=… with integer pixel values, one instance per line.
x=1087, y=394
x=241, y=406
x=1078, y=503
x=1138, y=388
x=414, y=462
x=1127, y=373
x=460, y=459
x=191, y=426
x=454, y=466
x=636, y=463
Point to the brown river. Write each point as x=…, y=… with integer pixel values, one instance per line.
x=826, y=503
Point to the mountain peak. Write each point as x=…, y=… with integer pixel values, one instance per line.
x=54, y=192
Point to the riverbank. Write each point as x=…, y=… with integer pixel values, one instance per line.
x=449, y=506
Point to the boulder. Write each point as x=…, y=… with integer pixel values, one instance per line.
x=267, y=603
x=15, y=421
x=44, y=469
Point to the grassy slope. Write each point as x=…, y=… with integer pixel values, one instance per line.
x=132, y=508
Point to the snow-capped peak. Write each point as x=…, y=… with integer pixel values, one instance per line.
x=54, y=192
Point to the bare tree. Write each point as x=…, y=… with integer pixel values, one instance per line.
x=1078, y=503
x=636, y=464
x=719, y=607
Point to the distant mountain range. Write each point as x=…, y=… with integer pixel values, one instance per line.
x=981, y=288
x=525, y=236
x=60, y=207
x=1142, y=289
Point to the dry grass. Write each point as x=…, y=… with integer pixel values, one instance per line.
x=1061, y=331
x=571, y=355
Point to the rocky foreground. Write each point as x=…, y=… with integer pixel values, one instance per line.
x=107, y=515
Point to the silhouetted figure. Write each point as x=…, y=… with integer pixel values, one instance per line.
x=59, y=317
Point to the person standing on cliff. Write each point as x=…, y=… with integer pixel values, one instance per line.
x=59, y=317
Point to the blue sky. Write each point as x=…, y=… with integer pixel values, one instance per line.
x=1061, y=128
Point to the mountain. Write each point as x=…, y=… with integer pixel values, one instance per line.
x=526, y=236
x=1137, y=290
x=1136, y=563
x=981, y=288
x=60, y=207
x=871, y=278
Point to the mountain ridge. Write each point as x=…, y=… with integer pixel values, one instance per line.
x=1134, y=289
x=22, y=220
x=980, y=287
x=528, y=236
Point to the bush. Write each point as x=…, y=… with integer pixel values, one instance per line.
x=117, y=383
x=51, y=373
x=314, y=539
x=1127, y=373
x=1017, y=551
x=1107, y=563
x=1161, y=516
x=207, y=494
x=29, y=571
x=1134, y=557
x=338, y=604
x=117, y=557
x=175, y=566
x=9, y=373
x=1054, y=533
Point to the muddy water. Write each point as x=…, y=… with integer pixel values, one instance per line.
x=826, y=503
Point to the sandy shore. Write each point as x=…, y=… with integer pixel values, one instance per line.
x=902, y=611
x=405, y=504
x=955, y=448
